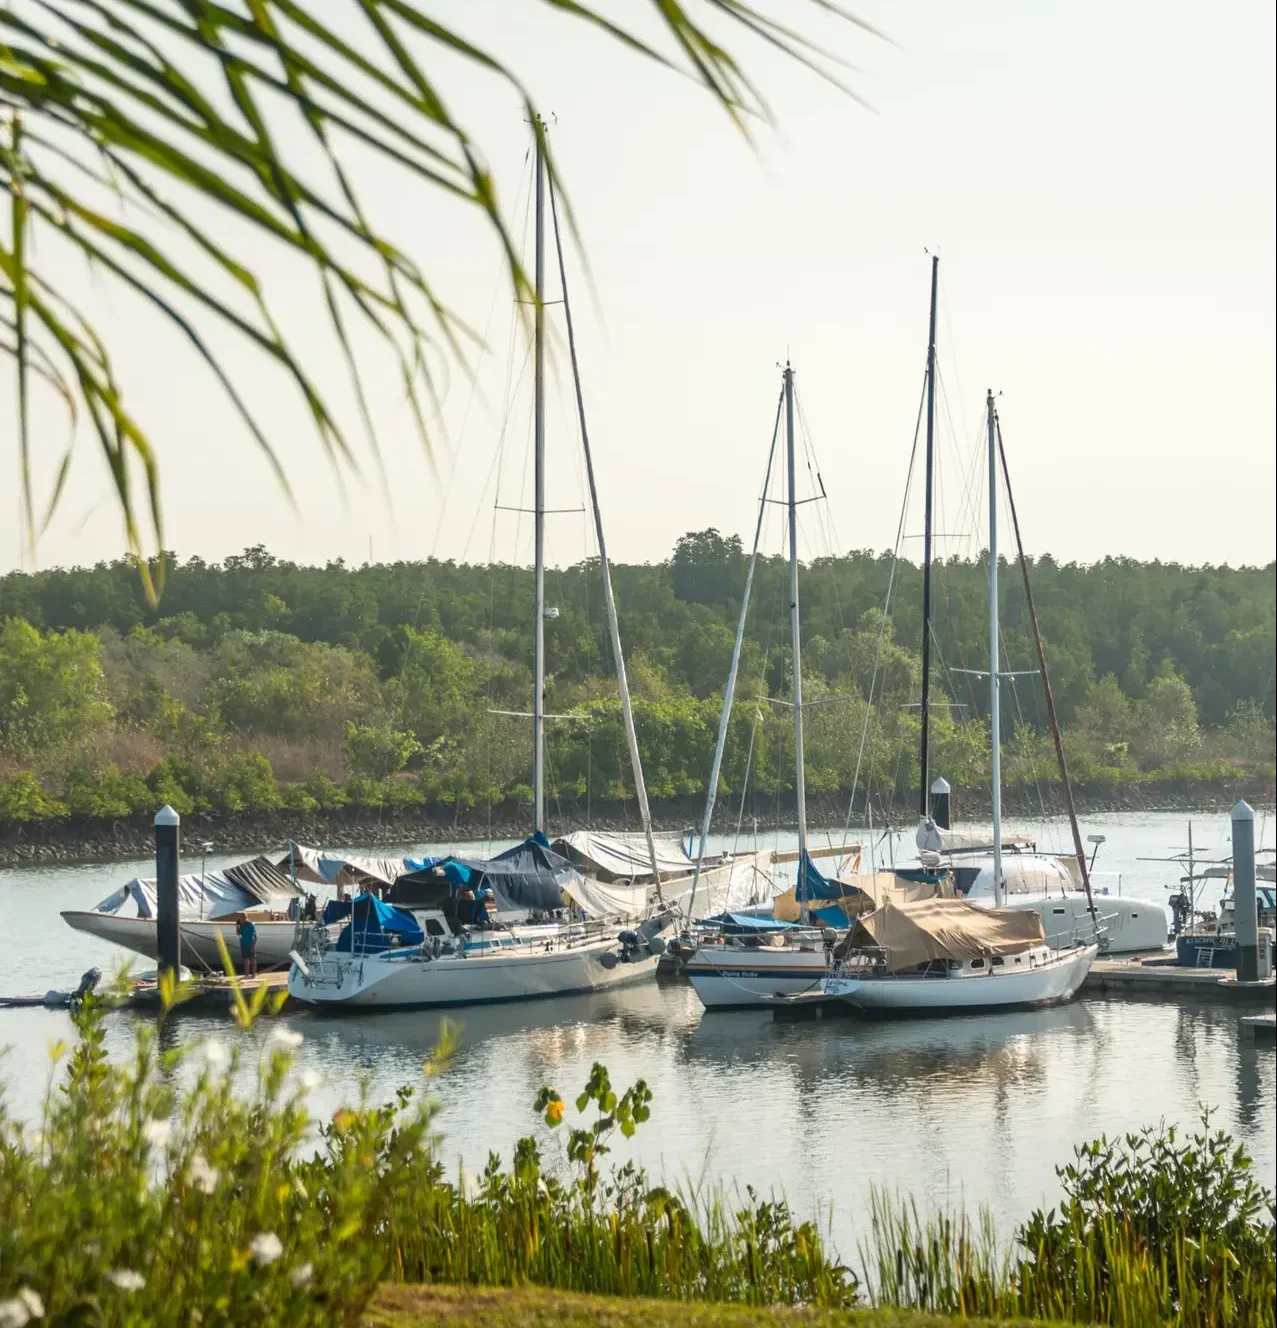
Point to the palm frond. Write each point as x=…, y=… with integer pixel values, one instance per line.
x=140, y=128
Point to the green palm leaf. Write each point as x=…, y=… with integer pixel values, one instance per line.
x=137, y=127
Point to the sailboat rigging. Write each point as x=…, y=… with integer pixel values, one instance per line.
x=948, y=954
x=796, y=648
x=924, y=790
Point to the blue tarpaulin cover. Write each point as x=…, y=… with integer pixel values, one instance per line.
x=372, y=923
x=746, y=922
x=531, y=875
x=335, y=910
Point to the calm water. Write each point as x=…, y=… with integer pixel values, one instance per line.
x=976, y=1110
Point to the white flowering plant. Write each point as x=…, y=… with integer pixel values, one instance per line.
x=151, y=1193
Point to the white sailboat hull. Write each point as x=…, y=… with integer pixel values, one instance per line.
x=390, y=981
x=198, y=939
x=732, y=978
x=1045, y=982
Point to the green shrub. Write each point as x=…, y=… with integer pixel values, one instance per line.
x=243, y=783
x=139, y=1202
x=378, y=751
x=22, y=799
x=1188, y=1207
x=1153, y=1230
x=108, y=795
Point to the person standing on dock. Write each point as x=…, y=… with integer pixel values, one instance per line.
x=247, y=933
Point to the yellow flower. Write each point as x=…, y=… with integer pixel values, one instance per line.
x=554, y=1111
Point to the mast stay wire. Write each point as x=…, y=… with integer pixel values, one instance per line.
x=829, y=531
x=453, y=455
x=882, y=627
x=966, y=524
x=768, y=643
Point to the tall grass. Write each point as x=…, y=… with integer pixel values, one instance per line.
x=1153, y=1229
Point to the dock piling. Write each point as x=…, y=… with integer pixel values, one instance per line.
x=1245, y=909
x=167, y=831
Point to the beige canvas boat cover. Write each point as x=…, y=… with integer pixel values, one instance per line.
x=915, y=933
x=863, y=893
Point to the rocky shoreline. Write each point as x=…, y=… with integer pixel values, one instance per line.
x=79, y=840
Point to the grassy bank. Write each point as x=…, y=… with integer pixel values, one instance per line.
x=536, y=1307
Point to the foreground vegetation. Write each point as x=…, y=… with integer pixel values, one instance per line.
x=163, y=1192
x=258, y=685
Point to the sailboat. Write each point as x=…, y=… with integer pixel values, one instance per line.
x=949, y=954
x=749, y=959
x=435, y=940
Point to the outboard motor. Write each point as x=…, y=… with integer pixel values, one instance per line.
x=1181, y=912
x=88, y=983
x=645, y=940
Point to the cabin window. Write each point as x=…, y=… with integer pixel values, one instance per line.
x=434, y=927
x=1057, y=910
x=1133, y=915
x=997, y=961
x=977, y=963
x=1017, y=959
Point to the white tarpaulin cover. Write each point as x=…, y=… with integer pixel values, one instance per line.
x=623, y=857
x=320, y=868
x=610, y=899
x=247, y=885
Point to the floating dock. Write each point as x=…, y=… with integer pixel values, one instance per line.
x=1261, y=1027
x=1159, y=977
x=207, y=995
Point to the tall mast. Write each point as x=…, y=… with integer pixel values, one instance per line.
x=924, y=797
x=995, y=680
x=795, y=634
x=725, y=717
x=613, y=625
x=538, y=623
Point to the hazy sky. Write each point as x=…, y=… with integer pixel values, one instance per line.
x=1098, y=179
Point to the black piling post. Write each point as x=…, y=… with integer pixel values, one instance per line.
x=1245, y=905
x=940, y=802
x=167, y=837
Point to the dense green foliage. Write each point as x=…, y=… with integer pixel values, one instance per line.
x=177, y=1189
x=258, y=684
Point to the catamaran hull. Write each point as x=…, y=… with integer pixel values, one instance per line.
x=1127, y=926
x=1058, y=979
x=410, y=982
x=198, y=939
x=736, y=979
